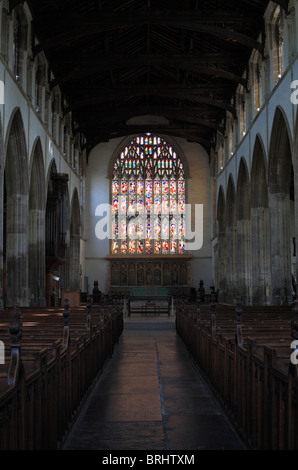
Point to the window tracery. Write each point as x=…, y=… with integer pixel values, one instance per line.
x=148, y=198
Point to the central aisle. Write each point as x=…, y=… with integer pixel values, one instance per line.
x=150, y=397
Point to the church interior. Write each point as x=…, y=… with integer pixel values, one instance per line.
x=147, y=180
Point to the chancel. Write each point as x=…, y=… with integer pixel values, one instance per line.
x=148, y=225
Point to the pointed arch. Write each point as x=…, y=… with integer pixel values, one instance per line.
x=220, y=255
x=221, y=210
x=64, y=272
x=52, y=169
x=16, y=194
x=37, y=176
x=231, y=202
x=56, y=232
x=281, y=203
x=148, y=191
x=75, y=221
x=277, y=42
x=75, y=231
x=280, y=153
x=125, y=142
x=259, y=182
x=243, y=192
x=260, y=226
x=256, y=80
x=16, y=152
x=243, y=252
x=36, y=248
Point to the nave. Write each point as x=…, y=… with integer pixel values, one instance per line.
x=151, y=397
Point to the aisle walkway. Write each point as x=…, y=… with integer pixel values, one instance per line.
x=151, y=397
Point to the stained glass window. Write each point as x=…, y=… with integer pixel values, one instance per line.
x=148, y=198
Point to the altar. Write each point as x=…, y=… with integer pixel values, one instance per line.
x=149, y=291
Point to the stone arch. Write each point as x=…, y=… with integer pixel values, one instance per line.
x=260, y=226
x=36, y=248
x=51, y=170
x=167, y=138
x=220, y=253
x=75, y=231
x=56, y=232
x=148, y=160
x=282, y=213
x=243, y=252
x=259, y=183
x=243, y=192
x=16, y=198
x=221, y=211
x=280, y=153
x=64, y=272
x=231, y=224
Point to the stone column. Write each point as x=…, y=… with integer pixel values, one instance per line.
x=37, y=267
x=280, y=248
x=243, y=260
x=232, y=283
x=222, y=267
x=231, y=242
x=260, y=254
x=17, y=250
x=75, y=262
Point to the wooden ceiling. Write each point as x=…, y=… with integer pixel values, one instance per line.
x=179, y=60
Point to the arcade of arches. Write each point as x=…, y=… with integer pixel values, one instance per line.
x=52, y=187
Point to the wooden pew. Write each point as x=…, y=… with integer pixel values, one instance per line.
x=56, y=359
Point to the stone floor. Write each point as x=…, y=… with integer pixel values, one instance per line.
x=150, y=397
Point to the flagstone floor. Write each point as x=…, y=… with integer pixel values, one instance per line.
x=151, y=397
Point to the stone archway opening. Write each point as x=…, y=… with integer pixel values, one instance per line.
x=243, y=234
x=15, y=216
x=220, y=255
x=282, y=213
x=56, y=233
x=232, y=284
x=36, y=247
x=260, y=228
x=74, y=258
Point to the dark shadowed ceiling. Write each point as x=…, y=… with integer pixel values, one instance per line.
x=180, y=60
